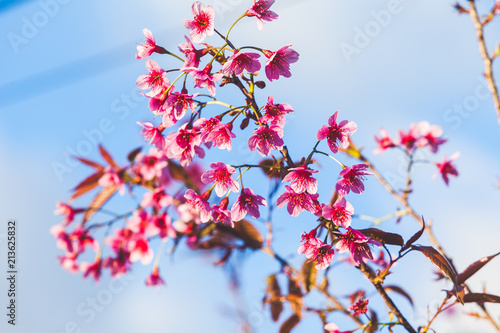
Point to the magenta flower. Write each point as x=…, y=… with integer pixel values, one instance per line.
x=111, y=178
x=302, y=180
x=68, y=212
x=352, y=179
x=154, y=279
x=184, y=144
x=409, y=139
x=152, y=165
x=149, y=46
x=139, y=249
x=296, y=202
x=336, y=134
x=431, y=136
x=356, y=243
x=340, y=213
x=221, y=215
x=157, y=198
x=93, y=269
x=278, y=62
x=446, y=168
x=203, y=78
x=384, y=142
x=193, y=55
x=275, y=113
x=198, y=204
x=247, y=203
x=156, y=79
x=360, y=307
x=175, y=107
x=332, y=328
x=221, y=136
x=266, y=139
x=324, y=256
x=152, y=134
x=203, y=22
x=221, y=176
x=496, y=8
x=241, y=61
x=162, y=226
x=310, y=244
x=206, y=126
x=261, y=11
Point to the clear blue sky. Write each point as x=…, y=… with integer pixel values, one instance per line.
x=68, y=69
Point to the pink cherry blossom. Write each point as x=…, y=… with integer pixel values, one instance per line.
x=203, y=22
x=496, y=8
x=296, y=202
x=93, y=269
x=265, y=139
x=197, y=205
x=384, y=142
x=239, y=61
x=153, y=134
x=275, y=113
x=278, y=62
x=162, y=226
x=356, y=243
x=340, y=213
x=176, y=105
x=112, y=178
x=68, y=262
x=203, y=78
x=261, y=11
x=119, y=265
x=140, y=250
x=152, y=165
x=221, y=136
x=301, y=179
x=221, y=215
x=206, y=126
x=154, y=279
x=156, y=79
x=68, y=212
x=247, y=203
x=360, y=307
x=139, y=221
x=157, y=198
x=352, y=179
x=446, y=168
x=324, y=256
x=337, y=135
x=149, y=46
x=193, y=55
x=332, y=328
x=221, y=176
x=409, y=139
x=184, y=144
x=431, y=136
x=310, y=244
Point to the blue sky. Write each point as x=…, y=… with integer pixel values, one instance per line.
x=70, y=81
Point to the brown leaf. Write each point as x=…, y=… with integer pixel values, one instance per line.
x=272, y=168
x=87, y=184
x=383, y=237
x=90, y=163
x=472, y=269
x=308, y=274
x=247, y=232
x=99, y=200
x=296, y=303
x=133, y=154
x=414, y=238
x=289, y=324
x=439, y=260
x=373, y=323
x=274, y=292
x=481, y=298
x=400, y=291
x=179, y=173
x=107, y=157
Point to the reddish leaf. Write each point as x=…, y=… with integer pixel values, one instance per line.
x=274, y=292
x=107, y=157
x=179, y=173
x=400, y=291
x=87, y=184
x=438, y=260
x=472, y=269
x=289, y=324
x=481, y=298
x=90, y=163
x=99, y=200
x=414, y=238
x=373, y=323
x=308, y=274
x=383, y=237
x=133, y=154
x=247, y=232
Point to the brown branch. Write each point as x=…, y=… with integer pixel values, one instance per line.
x=487, y=60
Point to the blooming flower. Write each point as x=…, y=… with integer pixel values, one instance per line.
x=430, y=136
x=203, y=22
x=153, y=134
x=192, y=55
x=150, y=166
x=324, y=256
x=68, y=212
x=157, y=198
x=220, y=213
x=409, y=139
x=154, y=279
x=156, y=79
x=247, y=203
x=446, y=168
x=198, y=205
x=384, y=142
x=278, y=62
x=356, y=243
x=360, y=307
x=296, y=202
x=352, y=179
x=310, y=244
x=221, y=136
x=221, y=175
x=275, y=113
x=206, y=126
x=140, y=250
x=162, y=226
x=203, y=78
x=336, y=132
x=260, y=10
x=149, y=46
x=265, y=139
x=93, y=269
x=239, y=61
x=176, y=105
x=184, y=144
x=332, y=328
x=301, y=179
x=111, y=178
x=340, y=213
